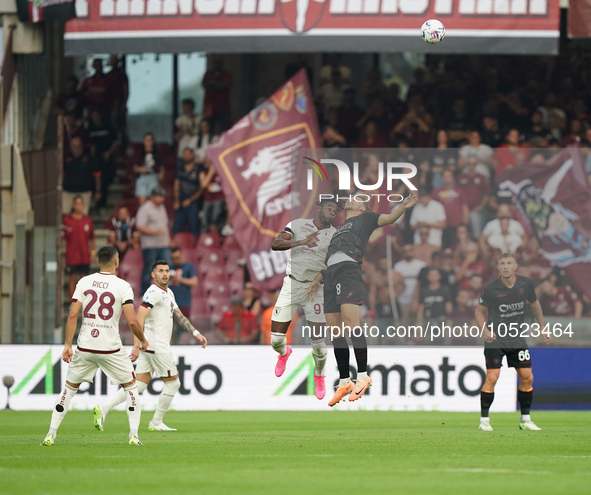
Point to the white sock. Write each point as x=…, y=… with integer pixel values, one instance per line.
x=319, y=353
x=61, y=408
x=525, y=418
x=120, y=397
x=362, y=375
x=344, y=382
x=132, y=405
x=485, y=421
x=166, y=396
x=117, y=399
x=279, y=342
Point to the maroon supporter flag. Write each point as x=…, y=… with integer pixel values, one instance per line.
x=254, y=159
x=555, y=201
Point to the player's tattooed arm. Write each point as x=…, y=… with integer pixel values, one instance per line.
x=185, y=324
x=536, y=309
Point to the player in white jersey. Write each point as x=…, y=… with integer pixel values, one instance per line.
x=308, y=240
x=157, y=312
x=102, y=296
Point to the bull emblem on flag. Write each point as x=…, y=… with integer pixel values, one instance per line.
x=300, y=16
x=275, y=161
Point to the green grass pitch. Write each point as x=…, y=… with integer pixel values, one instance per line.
x=303, y=453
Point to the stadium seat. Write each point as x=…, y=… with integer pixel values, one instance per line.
x=234, y=261
x=218, y=304
x=199, y=307
x=215, y=285
x=184, y=240
x=217, y=270
x=131, y=268
x=132, y=260
x=208, y=242
x=236, y=283
x=230, y=243
x=210, y=262
x=198, y=291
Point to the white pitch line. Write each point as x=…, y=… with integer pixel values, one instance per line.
x=495, y=471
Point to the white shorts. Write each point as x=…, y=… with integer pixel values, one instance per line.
x=161, y=364
x=116, y=366
x=292, y=296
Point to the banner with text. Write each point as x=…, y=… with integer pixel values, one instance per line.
x=221, y=378
x=177, y=26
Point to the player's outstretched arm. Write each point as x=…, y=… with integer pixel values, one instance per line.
x=390, y=218
x=71, y=330
x=283, y=241
x=536, y=309
x=134, y=324
x=185, y=324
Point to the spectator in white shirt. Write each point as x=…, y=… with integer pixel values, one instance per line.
x=187, y=126
x=494, y=228
x=554, y=117
x=202, y=140
x=479, y=153
x=334, y=62
x=332, y=94
x=409, y=268
x=428, y=213
x=505, y=241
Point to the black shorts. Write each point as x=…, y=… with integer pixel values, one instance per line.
x=343, y=284
x=77, y=269
x=516, y=357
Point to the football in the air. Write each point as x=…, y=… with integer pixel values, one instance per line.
x=432, y=31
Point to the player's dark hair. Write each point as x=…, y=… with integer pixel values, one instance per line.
x=160, y=262
x=506, y=255
x=333, y=201
x=175, y=249
x=106, y=255
x=188, y=101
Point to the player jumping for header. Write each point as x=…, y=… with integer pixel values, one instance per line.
x=102, y=296
x=308, y=240
x=344, y=291
x=505, y=298
x=156, y=314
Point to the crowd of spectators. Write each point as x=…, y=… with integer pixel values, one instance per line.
x=462, y=121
